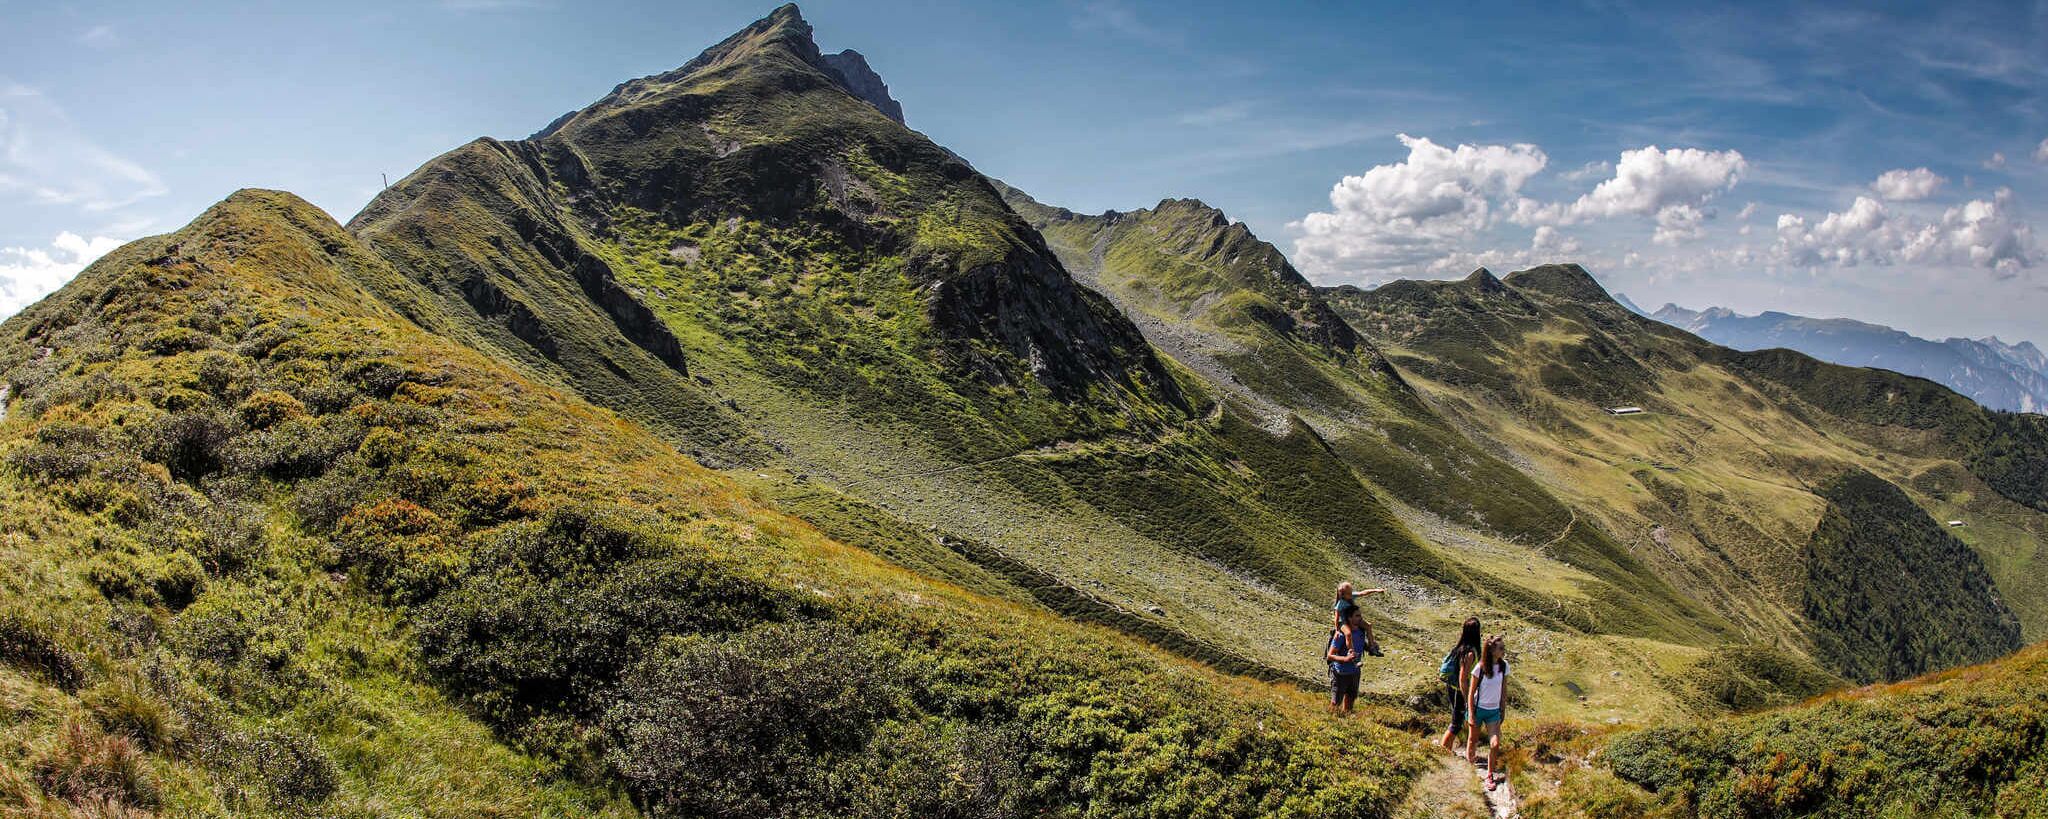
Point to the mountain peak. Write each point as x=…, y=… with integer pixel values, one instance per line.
x=1568, y=281
x=1191, y=210
x=861, y=79
x=1484, y=281
x=784, y=29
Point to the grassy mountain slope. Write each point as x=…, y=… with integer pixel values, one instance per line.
x=1723, y=484
x=763, y=268
x=1964, y=742
x=1216, y=299
x=272, y=537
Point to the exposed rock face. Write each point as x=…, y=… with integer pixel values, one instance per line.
x=864, y=82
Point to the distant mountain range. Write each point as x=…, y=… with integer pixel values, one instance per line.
x=1998, y=375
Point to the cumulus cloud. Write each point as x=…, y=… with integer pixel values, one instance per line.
x=1547, y=245
x=1549, y=240
x=1647, y=181
x=1903, y=185
x=1679, y=223
x=30, y=273
x=1416, y=211
x=2041, y=151
x=46, y=158
x=1996, y=161
x=1985, y=233
x=1672, y=187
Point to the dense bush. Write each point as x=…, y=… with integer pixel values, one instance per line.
x=757, y=724
x=551, y=611
x=170, y=579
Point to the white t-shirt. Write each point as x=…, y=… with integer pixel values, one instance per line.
x=1488, y=689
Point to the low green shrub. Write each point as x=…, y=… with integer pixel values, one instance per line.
x=126, y=707
x=29, y=644
x=756, y=724
x=168, y=579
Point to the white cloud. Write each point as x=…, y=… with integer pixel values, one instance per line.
x=1546, y=246
x=1746, y=212
x=1903, y=185
x=44, y=158
x=1672, y=186
x=1647, y=181
x=1996, y=161
x=2041, y=151
x=29, y=273
x=1414, y=212
x=1985, y=233
x=1549, y=240
x=1677, y=224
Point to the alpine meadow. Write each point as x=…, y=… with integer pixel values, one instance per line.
x=729, y=448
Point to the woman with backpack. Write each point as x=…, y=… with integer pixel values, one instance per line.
x=1489, y=701
x=1347, y=643
x=1456, y=673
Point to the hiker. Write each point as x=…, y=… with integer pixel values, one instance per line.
x=1345, y=607
x=1456, y=673
x=1489, y=691
x=1347, y=642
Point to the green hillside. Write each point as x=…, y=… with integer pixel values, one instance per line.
x=1732, y=484
x=1965, y=742
x=727, y=448
x=279, y=550
x=761, y=267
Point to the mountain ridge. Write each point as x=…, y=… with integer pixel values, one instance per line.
x=1995, y=374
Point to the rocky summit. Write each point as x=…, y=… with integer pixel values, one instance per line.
x=727, y=448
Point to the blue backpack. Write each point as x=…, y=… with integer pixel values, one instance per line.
x=1449, y=670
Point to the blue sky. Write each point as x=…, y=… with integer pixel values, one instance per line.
x=1884, y=163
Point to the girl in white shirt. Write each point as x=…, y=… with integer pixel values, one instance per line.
x=1489, y=692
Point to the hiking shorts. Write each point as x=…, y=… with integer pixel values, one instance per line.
x=1482, y=717
x=1343, y=687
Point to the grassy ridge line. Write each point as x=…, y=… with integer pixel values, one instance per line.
x=561, y=570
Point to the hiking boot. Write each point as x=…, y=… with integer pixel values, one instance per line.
x=1373, y=648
